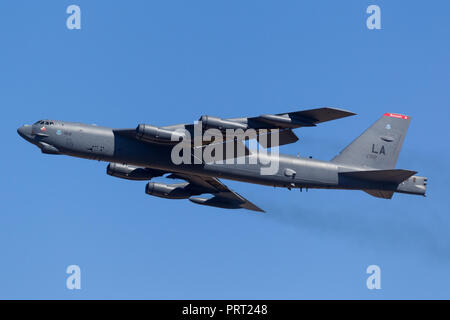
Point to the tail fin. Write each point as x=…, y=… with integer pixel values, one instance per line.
x=379, y=146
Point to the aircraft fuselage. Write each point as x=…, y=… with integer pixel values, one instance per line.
x=101, y=143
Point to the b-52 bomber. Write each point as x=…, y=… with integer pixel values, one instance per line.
x=200, y=153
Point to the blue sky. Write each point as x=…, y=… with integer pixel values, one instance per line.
x=167, y=62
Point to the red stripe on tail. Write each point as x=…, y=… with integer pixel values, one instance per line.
x=396, y=115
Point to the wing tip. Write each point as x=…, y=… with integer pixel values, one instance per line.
x=325, y=114
x=346, y=113
x=250, y=206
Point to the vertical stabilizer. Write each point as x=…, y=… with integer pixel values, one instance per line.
x=379, y=146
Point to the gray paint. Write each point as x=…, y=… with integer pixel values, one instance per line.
x=131, y=158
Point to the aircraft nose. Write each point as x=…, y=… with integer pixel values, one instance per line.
x=24, y=131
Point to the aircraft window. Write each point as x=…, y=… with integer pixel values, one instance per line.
x=48, y=123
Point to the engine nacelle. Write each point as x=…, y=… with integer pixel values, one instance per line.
x=169, y=191
x=221, y=124
x=284, y=122
x=154, y=134
x=125, y=171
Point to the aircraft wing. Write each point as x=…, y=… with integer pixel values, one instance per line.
x=223, y=197
x=297, y=119
x=262, y=126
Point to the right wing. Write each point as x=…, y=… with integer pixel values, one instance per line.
x=297, y=119
x=262, y=125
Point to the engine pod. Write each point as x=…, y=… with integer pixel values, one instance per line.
x=159, y=135
x=129, y=172
x=221, y=124
x=168, y=191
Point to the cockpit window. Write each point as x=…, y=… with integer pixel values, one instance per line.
x=47, y=123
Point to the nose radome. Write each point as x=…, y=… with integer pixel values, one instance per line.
x=24, y=131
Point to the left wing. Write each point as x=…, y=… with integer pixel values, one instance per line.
x=223, y=197
x=195, y=185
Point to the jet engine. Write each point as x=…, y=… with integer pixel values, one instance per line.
x=285, y=121
x=221, y=124
x=169, y=191
x=159, y=135
x=125, y=171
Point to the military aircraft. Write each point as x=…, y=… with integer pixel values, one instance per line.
x=146, y=152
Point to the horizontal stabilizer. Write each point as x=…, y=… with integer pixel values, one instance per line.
x=383, y=194
x=395, y=176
